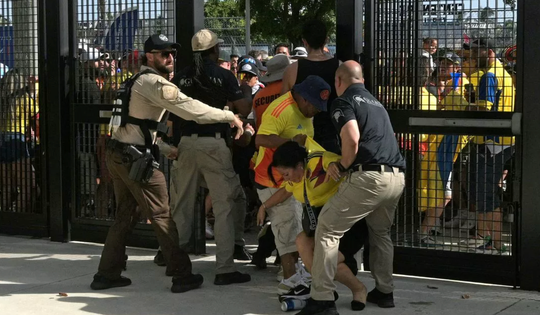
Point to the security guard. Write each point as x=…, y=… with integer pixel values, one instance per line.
x=203, y=156
x=152, y=95
x=373, y=185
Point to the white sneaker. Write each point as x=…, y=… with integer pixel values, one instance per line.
x=286, y=285
x=279, y=276
x=209, y=231
x=304, y=274
x=469, y=222
x=457, y=220
x=300, y=292
x=475, y=241
x=429, y=241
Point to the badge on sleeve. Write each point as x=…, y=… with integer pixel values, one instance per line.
x=337, y=114
x=170, y=92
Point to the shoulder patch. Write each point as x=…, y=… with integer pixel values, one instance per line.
x=337, y=114
x=170, y=92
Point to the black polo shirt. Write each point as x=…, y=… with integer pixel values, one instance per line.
x=220, y=87
x=378, y=144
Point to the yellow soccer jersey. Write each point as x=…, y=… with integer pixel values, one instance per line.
x=496, y=93
x=284, y=119
x=319, y=188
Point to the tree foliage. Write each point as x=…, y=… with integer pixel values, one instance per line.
x=282, y=20
x=222, y=8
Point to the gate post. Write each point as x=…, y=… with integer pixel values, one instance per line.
x=527, y=97
x=349, y=29
x=186, y=26
x=55, y=115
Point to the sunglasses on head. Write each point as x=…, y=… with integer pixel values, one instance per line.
x=166, y=53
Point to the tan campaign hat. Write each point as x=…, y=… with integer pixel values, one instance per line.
x=204, y=40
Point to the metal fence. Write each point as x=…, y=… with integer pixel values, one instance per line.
x=459, y=183
x=110, y=39
x=20, y=164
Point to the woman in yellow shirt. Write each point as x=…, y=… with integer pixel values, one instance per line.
x=17, y=110
x=306, y=167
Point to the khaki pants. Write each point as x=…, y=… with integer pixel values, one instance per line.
x=286, y=219
x=153, y=201
x=208, y=159
x=373, y=195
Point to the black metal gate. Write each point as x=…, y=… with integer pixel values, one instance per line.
x=22, y=176
x=109, y=39
x=423, y=63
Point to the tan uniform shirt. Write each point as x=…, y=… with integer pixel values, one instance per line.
x=152, y=95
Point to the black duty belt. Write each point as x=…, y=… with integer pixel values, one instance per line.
x=120, y=147
x=213, y=134
x=374, y=168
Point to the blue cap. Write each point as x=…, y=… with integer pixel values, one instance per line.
x=315, y=90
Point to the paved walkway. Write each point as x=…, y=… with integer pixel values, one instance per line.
x=34, y=271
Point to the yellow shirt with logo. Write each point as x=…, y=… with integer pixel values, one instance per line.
x=319, y=188
x=284, y=119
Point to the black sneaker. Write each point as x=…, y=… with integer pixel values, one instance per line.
x=241, y=253
x=259, y=261
x=159, y=260
x=300, y=292
x=187, y=283
x=102, y=283
x=231, y=277
x=314, y=307
x=383, y=300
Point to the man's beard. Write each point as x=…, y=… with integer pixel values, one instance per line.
x=163, y=69
x=483, y=62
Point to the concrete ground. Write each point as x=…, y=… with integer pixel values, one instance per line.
x=34, y=271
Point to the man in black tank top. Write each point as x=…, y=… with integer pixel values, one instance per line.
x=314, y=36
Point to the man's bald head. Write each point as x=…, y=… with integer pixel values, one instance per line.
x=348, y=73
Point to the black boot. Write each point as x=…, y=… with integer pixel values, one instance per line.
x=159, y=260
x=185, y=284
x=314, y=307
x=102, y=283
x=259, y=261
x=231, y=277
x=383, y=300
x=241, y=253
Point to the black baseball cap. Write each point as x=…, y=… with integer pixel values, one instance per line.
x=246, y=67
x=159, y=42
x=315, y=90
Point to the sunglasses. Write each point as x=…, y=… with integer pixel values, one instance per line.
x=165, y=53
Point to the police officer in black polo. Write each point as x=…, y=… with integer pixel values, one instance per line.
x=203, y=156
x=374, y=182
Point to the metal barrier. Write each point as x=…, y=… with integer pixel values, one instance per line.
x=110, y=38
x=427, y=69
x=21, y=172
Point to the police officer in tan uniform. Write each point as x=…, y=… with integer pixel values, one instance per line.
x=152, y=95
